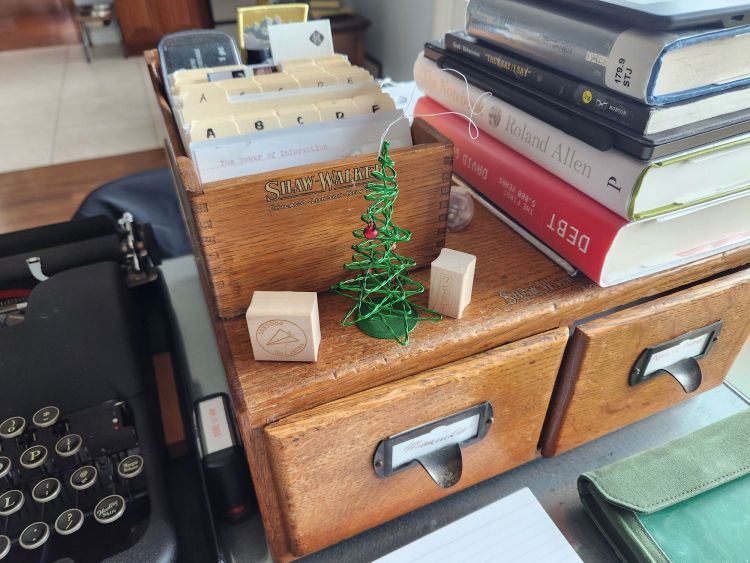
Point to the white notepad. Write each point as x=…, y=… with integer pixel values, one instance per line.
x=513, y=529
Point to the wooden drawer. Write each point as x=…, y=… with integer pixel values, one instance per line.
x=593, y=395
x=322, y=459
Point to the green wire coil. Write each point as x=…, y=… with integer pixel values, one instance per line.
x=382, y=290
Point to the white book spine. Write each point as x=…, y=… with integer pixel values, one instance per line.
x=609, y=177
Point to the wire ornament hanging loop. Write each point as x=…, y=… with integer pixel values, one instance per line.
x=471, y=106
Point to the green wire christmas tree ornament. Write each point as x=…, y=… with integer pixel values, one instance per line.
x=382, y=290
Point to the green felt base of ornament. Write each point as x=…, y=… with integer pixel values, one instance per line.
x=385, y=325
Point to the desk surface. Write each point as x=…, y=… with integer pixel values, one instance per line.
x=552, y=480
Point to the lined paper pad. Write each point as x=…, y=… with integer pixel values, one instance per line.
x=513, y=529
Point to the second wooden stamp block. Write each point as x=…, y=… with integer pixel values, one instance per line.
x=451, y=282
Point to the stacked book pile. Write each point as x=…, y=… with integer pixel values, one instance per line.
x=625, y=149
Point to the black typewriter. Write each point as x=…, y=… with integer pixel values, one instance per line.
x=81, y=462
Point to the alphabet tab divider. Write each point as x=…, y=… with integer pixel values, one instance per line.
x=338, y=109
x=218, y=102
x=263, y=120
x=216, y=128
x=276, y=82
x=315, y=77
x=373, y=103
x=299, y=115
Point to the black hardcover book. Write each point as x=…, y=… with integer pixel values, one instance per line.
x=589, y=98
x=592, y=129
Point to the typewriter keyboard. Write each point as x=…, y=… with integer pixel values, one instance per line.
x=64, y=472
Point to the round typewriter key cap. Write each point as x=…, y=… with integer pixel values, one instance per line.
x=34, y=456
x=83, y=477
x=5, y=465
x=45, y=417
x=69, y=522
x=34, y=535
x=69, y=445
x=46, y=490
x=109, y=509
x=11, y=502
x=130, y=467
x=4, y=546
x=12, y=427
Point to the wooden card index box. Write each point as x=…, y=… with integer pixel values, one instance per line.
x=290, y=229
x=311, y=430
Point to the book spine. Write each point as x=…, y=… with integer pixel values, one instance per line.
x=574, y=226
x=589, y=98
x=576, y=45
x=609, y=177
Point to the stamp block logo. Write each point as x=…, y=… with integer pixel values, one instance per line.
x=281, y=338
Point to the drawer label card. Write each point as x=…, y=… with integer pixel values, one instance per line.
x=436, y=446
x=436, y=439
x=677, y=357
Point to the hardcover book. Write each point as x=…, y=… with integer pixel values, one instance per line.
x=652, y=66
x=632, y=188
x=596, y=100
x=606, y=247
x=592, y=128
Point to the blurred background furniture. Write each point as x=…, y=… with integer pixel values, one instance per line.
x=101, y=13
x=143, y=22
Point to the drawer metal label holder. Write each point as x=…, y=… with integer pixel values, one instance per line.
x=436, y=446
x=677, y=357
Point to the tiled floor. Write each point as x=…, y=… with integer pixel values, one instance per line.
x=55, y=107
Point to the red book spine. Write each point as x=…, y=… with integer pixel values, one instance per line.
x=576, y=227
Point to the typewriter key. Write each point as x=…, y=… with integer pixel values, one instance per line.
x=68, y=445
x=34, y=456
x=11, y=502
x=45, y=417
x=34, y=535
x=5, y=465
x=130, y=467
x=69, y=522
x=46, y=490
x=4, y=546
x=12, y=427
x=109, y=509
x=83, y=477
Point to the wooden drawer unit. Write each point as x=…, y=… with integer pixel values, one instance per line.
x=322, y=459
x=594, y=394
x=310, y=430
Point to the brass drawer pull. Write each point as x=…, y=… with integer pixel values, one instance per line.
x=436, y=446
x=677, y=357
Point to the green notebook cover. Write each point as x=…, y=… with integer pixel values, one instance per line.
x=686, y=501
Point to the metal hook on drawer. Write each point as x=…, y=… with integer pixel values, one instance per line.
x=687, y=372
x=683, y=352
x=436, y=446
x=444, y=466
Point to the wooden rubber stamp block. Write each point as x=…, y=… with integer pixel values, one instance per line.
x=451, y=282
x=284, y=326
